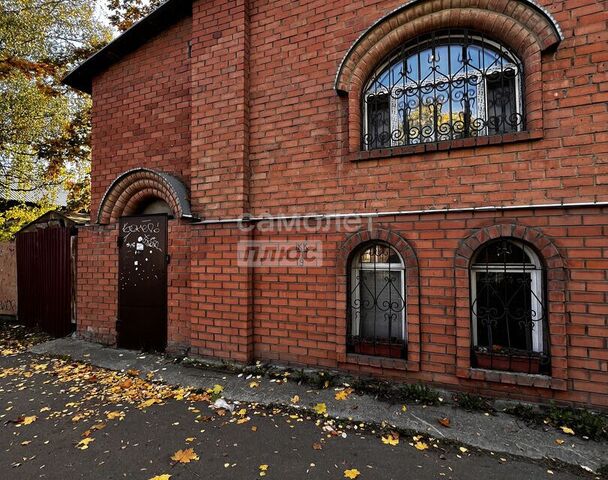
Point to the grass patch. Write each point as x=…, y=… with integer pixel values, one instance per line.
x=473, y=403
x=584, y=423
x=395, y=393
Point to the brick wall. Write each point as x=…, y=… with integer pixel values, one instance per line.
x=300, y=148
x=97, y=283
x=141, y=112
x=299, y=313
x=252, y=124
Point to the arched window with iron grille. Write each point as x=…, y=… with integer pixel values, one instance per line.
x=509, y=316
x=449, y=85
x=377, y=311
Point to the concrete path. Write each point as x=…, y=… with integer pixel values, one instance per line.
x=499, y=433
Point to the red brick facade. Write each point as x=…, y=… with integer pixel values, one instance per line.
x=255, y=106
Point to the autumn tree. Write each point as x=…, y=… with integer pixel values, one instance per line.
x=124, y=13
x=44, y=125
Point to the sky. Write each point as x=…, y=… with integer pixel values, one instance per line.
x=101, y=10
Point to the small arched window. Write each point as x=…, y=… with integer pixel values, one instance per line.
x=509, y=317
x=446, y=86
x=377, y=323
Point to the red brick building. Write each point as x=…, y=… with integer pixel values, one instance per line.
x=416, y=190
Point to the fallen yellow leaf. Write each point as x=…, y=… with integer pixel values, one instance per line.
x=28, y=420
x=295, y=399
x=559, y=441
x=149, y=403
x=463, y=450
x=185, y=456
x=352, y=473
x=343, y=394
x=164, y=476
x=320, y=408
x=567, y=430
x=114, y=415
x=263, y=470
x=84, y=443
x=391, y=439
x=190, y=439
x=254, y=385
x=421, y=446
x=217, y=389
x=404, y=408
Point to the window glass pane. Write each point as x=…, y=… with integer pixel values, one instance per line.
x=503, y=252
x=446, y=86
x=505, y=318
x=379, y=254
x=502, y=114
x=379, y=120
x=381, y=305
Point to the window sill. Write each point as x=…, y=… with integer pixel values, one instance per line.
x=512, y=378
x=380, y=362
x=444, y=146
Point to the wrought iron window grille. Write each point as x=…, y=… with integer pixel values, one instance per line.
x=446, y=86
x=509, y=315
x=377, y=310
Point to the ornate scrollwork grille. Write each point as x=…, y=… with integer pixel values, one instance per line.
x=377, y=303
x=509, y=317
x=446, y=86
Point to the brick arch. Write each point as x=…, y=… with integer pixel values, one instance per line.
x=520, y=24
x=346, y=250
x=513, y=21
x=129, y=190
x=556, y=303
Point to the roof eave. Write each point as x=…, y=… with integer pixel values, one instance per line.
x=81, y=77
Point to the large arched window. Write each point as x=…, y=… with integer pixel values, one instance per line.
x=509, y=317
x=377, y=323
x=449, y=85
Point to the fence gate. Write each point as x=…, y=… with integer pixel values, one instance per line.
x=44, y=280
x=142, y=282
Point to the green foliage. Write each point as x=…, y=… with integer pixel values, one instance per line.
x=420, y=393
x=44, y=125
x=583, y=422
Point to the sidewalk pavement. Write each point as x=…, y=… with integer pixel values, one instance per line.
x=499, y=433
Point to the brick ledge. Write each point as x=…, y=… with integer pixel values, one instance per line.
x=444, y=145
x=380, y=362
x=512, y=378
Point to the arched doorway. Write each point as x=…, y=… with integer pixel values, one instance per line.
x=142, y=201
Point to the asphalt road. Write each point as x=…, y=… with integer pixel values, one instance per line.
x=140, y=446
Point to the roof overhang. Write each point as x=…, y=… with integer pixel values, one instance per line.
x=81, y=78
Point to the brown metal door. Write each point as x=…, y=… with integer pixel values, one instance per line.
x=142, y=283
x=44, y=280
